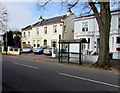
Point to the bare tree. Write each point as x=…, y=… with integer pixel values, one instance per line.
x=104, y=22
x=101, y=10
x=2, y=18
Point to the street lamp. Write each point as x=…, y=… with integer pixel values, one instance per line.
x=6, y=31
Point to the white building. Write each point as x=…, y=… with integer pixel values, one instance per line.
x=87, y=27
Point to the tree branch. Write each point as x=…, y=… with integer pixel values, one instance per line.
x=73, y=5
x=96, y=13
x=43, y=5
x=2, y=17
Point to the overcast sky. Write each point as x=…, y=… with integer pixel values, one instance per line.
x=22, y=14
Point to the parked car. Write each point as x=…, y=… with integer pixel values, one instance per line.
x=39, y=50
x=27, y=49
x=48, y=51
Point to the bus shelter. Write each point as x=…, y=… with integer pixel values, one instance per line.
x=71, y=48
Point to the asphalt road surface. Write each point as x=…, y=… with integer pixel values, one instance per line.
x=28, y=75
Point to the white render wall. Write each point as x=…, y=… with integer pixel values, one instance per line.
x=114, y=21
x=92, y=24
x=93, y=31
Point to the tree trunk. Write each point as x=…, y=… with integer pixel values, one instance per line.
x=104, y=22
x=103, y=59
x=104, y=29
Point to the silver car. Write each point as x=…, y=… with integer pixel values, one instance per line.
x=39, y=50
x=48, y=51
x=27, y=49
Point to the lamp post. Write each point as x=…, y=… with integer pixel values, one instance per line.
x=6, y=31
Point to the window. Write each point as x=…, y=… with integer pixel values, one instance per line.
x=60, y=24
x=38, y=43
x=24, y=35
x=118, y=49
x=88, y=40
x=37, y=31
x=118, y=40
x=29, y=34
x=84, y=26
x=112, y=39
x=45, y=29
x=24, y=43
x=72, y=30
x=55, y=28
x=88, y=43
x=54, y=43
x=64, y=28
x=83, y=46
x=118, y=22
x=45, y=42
x=34, y=43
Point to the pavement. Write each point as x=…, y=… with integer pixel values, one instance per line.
x=36, y=57
x=115, y=64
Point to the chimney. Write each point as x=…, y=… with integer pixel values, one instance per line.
x=69, y=12
x=40, y=19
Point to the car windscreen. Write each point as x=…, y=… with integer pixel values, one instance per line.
x=49, y=48
x=40, y=48
x=27, y=47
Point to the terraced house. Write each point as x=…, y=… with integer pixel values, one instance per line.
x=46, y=32
x=26, y=35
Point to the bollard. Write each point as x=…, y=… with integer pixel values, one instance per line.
x=53, y=52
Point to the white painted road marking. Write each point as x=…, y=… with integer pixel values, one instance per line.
x=25, y=65
x=112, y=85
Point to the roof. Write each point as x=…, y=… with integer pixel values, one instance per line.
x=46, y=22
x=51, y=20
x=27, y=28
x=93, y=14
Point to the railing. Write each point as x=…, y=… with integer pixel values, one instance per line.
x=114, y=31
x=86, y=33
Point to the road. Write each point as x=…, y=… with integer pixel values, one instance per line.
x=29, y=75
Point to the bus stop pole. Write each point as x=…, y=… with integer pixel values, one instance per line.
x=59, y=52
x=80, y=63
x=68, y=54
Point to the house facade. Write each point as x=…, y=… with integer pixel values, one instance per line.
x=26, y=35
x=46, y=32
x=87, y=27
